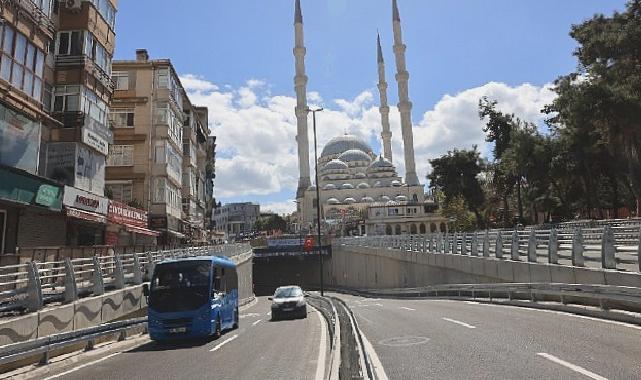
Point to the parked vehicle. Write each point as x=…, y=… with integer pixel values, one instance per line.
x=289, y=301
x=192, y=297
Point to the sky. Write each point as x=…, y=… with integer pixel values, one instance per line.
x=236, y=58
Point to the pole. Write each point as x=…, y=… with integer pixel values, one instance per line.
x=318, y=218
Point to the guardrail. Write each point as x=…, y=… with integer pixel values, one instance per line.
x=607, y=246
x=29, y=286
x=326, y=307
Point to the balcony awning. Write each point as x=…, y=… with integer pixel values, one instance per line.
x=85, y=215
x=140, y=230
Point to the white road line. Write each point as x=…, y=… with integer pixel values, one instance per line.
x=249, y=315
x=256, y=322
x=376, y=362
x=269, y=313
x=320, y=364
x=407, y=308
x=571, y=366
x=459, y=323
x=379, y=304
x=224, y=342
x=83, y=366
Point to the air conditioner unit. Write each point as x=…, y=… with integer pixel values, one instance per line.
x=74, y=4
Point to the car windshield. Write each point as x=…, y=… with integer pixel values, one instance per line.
x=288, y=292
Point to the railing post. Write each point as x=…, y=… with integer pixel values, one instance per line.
x=464, y=250
x=71, y=288
x=514, y=247
x=499, y=245
x=577, y=248
x=149, y=267
x=454, y=245
x=137, y=270
x=553, y=245
x=119, y=274
x=639, y=253
x=531, y=247
x=439, y=243
x=446, y=243
x=475, y=245
x=608, y=250
x=98, y=282
x=486, y=244
x=34, y=299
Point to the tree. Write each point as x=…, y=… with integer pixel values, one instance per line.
x=271, y=223
x=455, y=174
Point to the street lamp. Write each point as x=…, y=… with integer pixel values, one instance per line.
x=320, y=254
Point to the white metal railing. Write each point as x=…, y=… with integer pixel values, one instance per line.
x=30, y=285
x=608, y=246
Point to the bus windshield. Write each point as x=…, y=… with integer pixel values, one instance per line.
x=180, y=286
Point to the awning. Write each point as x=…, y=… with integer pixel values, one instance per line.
x=140, y=230
x=85, y=215
x=174, y=233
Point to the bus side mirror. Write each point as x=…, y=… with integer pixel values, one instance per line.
x=145, y=290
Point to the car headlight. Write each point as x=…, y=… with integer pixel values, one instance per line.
x=300, y=302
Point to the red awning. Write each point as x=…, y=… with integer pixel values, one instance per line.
x=86, y=215
x=140, y=230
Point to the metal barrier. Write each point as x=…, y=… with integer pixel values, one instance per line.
x=610, y=246
x=28, y=287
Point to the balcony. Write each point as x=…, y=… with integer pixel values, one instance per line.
x=70, y=61
x=37, y=16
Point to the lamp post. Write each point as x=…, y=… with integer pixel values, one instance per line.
x=320, y=254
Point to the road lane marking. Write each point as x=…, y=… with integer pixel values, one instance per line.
x=571, y=366
x=459, y=323
x=83, y=366
x=269, y=313
x=378, y=304
x=224, y=342
x=249, y=315
x=256, y=322
x=407, y=308
x=376, y=362
x=320, y=364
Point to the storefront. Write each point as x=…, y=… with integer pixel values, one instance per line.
x=127, y=226
x=171, y=229
x=30, y=210
x=86, y=217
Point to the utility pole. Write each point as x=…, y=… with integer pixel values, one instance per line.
x=318, y=218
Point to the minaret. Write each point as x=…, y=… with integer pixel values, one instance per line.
x=386, y=135
x=404, y=104
x=300, y=85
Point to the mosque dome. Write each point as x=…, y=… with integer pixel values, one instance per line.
x=367, y=200
x=360, y=175
x=329, y=186
x=378, y=184
x=384, y=198
x=349, y=200
x=347, y=186
x=333, y=201
x=363, y=185
x=354, y=155
x=381, y=163
x=396, y=183
x=335, y=165
x=401, y=198
x=343, y=143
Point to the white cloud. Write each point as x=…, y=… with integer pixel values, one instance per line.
x=286, y=207
x=254, y=83
x=196, y=83
x=257, y=131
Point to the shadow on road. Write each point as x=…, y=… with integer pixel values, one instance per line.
x=172, y=345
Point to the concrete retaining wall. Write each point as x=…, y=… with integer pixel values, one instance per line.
x=377, y=268
x=92, y=311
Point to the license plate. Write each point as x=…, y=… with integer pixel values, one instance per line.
x=178, y=330
x=288, y=309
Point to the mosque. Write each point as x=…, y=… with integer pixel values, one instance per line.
x=357, y=184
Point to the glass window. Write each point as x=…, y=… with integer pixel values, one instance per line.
x=21, y=46
x=121, y=192
x=121, y=79
x=7, y=46
x=122, y=118
x=163, y=78
x=16, y=75
x=63, y=43
x=76, y=43
x=40, y=60
x=120, y=155
x=5, y=67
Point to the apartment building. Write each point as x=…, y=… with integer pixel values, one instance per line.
x=235, y=219
x=159, y=158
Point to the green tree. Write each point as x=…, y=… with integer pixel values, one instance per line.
x=456, y=175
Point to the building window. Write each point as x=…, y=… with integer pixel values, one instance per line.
x=122, y=118
x=44, y=5
x=106, y=10
x=122, y=192
x=121, y=78
x=21, y=62
x=120, y=155
x=164, y=114
x=70, y=43
x=67, y=99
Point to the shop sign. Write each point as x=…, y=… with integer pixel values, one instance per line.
x=90, y=216
x=17, y=186
x=111, y=238
x=83, y=200
x=95, y=141
x=120, y=213
x=158, y=222
x=47, y=195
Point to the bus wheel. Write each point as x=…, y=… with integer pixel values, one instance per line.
x=218, y=331
x=236, y=316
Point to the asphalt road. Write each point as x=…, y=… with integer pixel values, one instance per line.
x=259, y=349
x=440, y=339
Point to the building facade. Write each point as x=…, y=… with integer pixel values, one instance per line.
x=236, y=219
x=161, y=149
x=354, y=182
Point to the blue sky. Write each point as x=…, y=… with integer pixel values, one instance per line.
x=456, y=50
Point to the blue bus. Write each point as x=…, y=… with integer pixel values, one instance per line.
x=192, y=297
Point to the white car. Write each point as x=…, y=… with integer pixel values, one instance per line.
x=289, y=301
